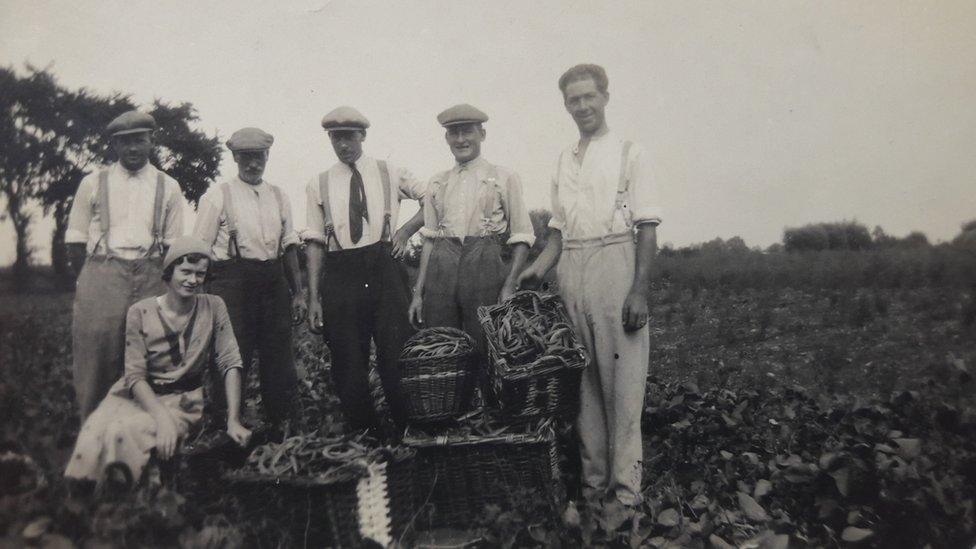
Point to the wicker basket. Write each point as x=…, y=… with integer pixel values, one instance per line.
x=343, y=508
x=439, y=388
x=528, y=387
x=458, y=475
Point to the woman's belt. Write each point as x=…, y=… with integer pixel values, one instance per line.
x=189, y=382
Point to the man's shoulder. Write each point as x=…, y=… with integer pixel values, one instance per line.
x=504, y=172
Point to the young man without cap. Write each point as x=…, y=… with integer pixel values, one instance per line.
x=604, y=222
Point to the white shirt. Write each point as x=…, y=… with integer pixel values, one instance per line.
x=264, y=227
x=401, y=181
x=584, y=191
x=131, y=196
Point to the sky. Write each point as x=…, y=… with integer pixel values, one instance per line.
x=755, y=115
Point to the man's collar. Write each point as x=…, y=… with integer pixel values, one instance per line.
x=258, y=185
x=136, y=174
x=470, y=165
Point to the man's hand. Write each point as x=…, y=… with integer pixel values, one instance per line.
x=415, y=312
x=634, y=314
x=508, y=290
x=298, y=309
x=400, y=239
x=76, y=257
x=166, y=435
x=238, y=433
x=315, y=320
x=530, y=278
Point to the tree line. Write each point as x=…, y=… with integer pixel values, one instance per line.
x=51, y=137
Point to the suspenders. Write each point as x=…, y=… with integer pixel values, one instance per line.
x=624, y=182
x=233, y=249
x=158, y=206
x=487, y=207
x=330, y=233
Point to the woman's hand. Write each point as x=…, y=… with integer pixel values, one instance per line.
x=239, y=433
x=166, y=435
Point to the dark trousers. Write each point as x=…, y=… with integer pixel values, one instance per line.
x=364, y=298
x=259, y=305
x=462, y=276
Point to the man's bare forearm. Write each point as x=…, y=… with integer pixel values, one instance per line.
x=293, y=271
x=315, y=253
x=646, y=251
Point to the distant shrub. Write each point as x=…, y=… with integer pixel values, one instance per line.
x=846, y=235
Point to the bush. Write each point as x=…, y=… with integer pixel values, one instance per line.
x=846, y=235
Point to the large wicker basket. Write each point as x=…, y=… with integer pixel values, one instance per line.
x=458, y=475
x=343, y=508
x=547, y=385
x=439, y=388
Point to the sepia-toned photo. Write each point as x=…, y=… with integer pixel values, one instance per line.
x=438, y=274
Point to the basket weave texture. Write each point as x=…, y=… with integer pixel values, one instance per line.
x=458, y=475
x=341, y=508
x=530, y=382
x=441, y=387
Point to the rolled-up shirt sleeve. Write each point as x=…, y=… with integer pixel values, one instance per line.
x=519, y=222
x=173, y=220
x=430, y=229
x=289, y=236
x=409, y=186
x=207, y=224
x=79, y=220
x=226, y=351
x=558, y=219
x=314, y=220
x=644, y=204
x=136, y=351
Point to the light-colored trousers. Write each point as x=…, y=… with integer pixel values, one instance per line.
x=121, y=431
x=107, y=287
x=594, y=280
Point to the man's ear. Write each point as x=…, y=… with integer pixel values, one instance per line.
x=363, y=134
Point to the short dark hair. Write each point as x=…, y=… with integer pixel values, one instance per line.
x=188, y=258
x=585, y=71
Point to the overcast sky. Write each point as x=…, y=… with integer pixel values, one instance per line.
x=757, y=115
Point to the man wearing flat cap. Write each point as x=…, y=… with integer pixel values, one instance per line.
x=604, y=222
x=248, y=222
x=357, y=288
x=122, y=219
x=472, y=210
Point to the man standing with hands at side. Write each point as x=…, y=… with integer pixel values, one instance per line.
x=248, y=223
x=357, y=289
x=604, y=222
x=123, y=218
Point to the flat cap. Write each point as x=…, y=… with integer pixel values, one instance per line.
x=131, y=122
x=186, y=245
x=344, y=118
x=250, y=139
x=461, y=114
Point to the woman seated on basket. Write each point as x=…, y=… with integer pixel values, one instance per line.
x=170, y=341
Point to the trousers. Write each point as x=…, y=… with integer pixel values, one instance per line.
x=594, y=282
x=259, y=306
x=463, y=275
x=365, y=299
x=106, y=288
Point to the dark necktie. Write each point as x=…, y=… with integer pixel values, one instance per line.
x=357, y=205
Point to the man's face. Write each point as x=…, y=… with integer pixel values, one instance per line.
x=250, y=165
x=465, y=141
x=348, y=144
x=188, y=277
x=133, y=149
x=586, y=104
